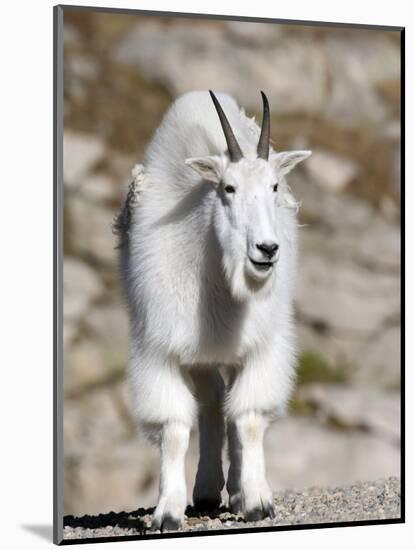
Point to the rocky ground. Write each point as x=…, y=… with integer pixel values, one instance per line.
x=358, y=502
x=333, y=91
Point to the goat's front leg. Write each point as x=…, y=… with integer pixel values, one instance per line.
x=172, y=498
x=164, y=405
x=258, y=392
x=247, y=485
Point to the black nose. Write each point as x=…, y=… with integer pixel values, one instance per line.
x=269, y=249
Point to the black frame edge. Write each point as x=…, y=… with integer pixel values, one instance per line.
x=403, y=309
x=57, y=274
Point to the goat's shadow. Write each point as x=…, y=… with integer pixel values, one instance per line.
x=192, y=512
x=127, y=520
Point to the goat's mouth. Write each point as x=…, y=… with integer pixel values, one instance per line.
x=262, y=266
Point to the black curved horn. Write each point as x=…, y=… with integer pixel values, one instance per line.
x=235, y=152
x=263, y=143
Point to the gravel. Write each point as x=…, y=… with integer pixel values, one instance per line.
x=361, y=501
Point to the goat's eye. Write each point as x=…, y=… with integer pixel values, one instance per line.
x=275, y=188
x=229, y=189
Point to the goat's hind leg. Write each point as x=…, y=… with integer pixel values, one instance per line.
x=209, y=388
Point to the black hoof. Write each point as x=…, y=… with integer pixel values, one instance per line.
x=168, y=523
x=155, y=526
x=255, y=514
x=235, y=506
x=270, y=511
x=259, y=513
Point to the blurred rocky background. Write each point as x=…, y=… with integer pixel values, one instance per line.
x=333, y=90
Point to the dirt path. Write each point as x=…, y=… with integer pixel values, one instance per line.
x=361, y=501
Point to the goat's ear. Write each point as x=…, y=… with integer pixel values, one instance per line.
x=285, y=161
x=209, y=168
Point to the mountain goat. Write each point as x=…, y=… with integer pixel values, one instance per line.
x=208, y=260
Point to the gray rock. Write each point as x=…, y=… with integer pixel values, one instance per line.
x=332, y=75
x=345, y=228
x=346, y=297
x=84, y=66
x=80, y=153
x=71, y=35
x=108, y=326
x=301, y=452
x=185, y=58
x=348, y=291
x=107, y=467
x=91, y=230
x=339, y=213
x=251, y=34
x=367, y=359
x=109, y=187
x=356, y=62
x=379, y=246
x=330, y=171
x=357, y=407
x=337, y=350
x=83, y=366
x=380, y=359
x=99, y=188
x=70, y=330
x=81, y=287
x=390, y=210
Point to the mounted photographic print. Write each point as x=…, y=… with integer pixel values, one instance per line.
x=228, y=229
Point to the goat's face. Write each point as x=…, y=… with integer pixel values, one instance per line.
x=246, y=215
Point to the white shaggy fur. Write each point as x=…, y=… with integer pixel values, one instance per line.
x=199, y=307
